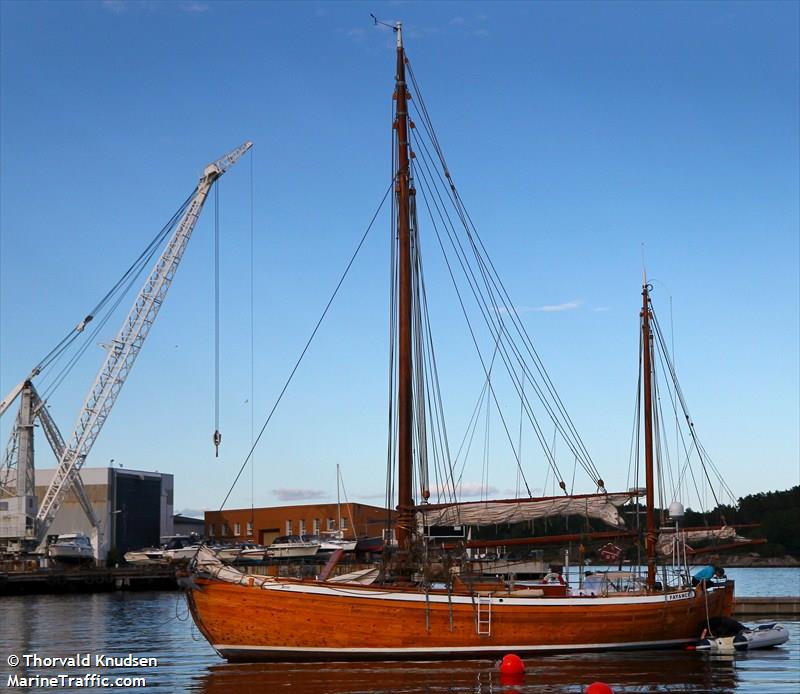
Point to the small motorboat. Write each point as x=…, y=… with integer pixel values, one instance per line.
x=148, y=555
x=244, y=553
x=292, y=547
x=72, y=547
x=331, y=541
x=180, y=548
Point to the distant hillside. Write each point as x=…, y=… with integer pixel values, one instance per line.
x=776, y=513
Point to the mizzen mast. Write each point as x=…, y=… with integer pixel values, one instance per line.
x=403, y=191
x=647, y=368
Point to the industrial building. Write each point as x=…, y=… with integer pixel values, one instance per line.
x=263, y=525
x=134, y=507
x=186, y=525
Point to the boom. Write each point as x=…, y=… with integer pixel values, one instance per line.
x=126, y=346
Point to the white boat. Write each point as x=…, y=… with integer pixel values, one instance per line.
x=72, y=547
x=331, y=541
x=762, y=636
x=148, y=555
x=175, y=548
x=744, y=638
x=246, y=552
x=180, y=548
x=292, y=547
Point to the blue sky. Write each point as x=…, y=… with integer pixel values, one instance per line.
x=579, y=134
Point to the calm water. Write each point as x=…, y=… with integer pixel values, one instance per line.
x=158, y=625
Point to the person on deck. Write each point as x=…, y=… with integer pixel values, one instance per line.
x=708, y=574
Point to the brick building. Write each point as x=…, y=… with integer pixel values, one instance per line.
x=263, y=525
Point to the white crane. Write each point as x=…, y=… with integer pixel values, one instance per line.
x=121, y=354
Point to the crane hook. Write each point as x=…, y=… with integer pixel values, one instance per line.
x=217, y=442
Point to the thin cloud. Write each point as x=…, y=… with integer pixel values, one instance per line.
x=555, y=308
x=297, y=493
x=195, y=7
x=464, y=490
x=458, y=20
x=602, y=309
x=547, y=308
x=371, y=495
x=356, y=34
x=115, y=6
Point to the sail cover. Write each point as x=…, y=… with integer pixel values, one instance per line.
x=666, y=538
x=600, y=506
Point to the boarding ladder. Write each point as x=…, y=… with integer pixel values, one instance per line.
x=483, y=615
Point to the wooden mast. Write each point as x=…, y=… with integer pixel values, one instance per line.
x=405, y=369
x=650, y=531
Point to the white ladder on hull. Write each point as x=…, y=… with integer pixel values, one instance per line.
x=483, y=616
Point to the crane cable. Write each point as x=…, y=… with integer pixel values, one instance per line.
x=217, y=436
x=308, y=343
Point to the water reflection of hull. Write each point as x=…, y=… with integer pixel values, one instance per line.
x=642, y=671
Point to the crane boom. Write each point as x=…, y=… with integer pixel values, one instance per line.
x=126, y=346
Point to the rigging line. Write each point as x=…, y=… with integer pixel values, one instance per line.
x=418, y=400
x=90, y=340
x=472, y=334
x=659, y=413
x=634, y=431
x=349, y=507
x=467, y=222
x=472, y=425
x=521, y=413
x=490, y=324
x=437, y=400
x=252, y=341
x=392, y=313
x=682, y=400
x=309, y=341
x=672, y=352
x=690, y=423
x=143, y=258
x=500, y=327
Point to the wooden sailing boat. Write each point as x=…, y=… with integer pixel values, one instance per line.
x=262, y=618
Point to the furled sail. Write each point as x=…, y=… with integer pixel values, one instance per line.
x=666, y=538
x=603, y=507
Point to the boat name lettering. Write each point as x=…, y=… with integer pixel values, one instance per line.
x=679, y=596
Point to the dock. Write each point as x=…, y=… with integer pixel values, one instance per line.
x=87, y=580
x=787, y=606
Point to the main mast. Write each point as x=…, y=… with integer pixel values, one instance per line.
x=405, y=500
x=650, y=531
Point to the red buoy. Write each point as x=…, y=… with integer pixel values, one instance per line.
x=599, y=688
x=512, y=665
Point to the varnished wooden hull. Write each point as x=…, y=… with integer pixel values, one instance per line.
x=291, y=620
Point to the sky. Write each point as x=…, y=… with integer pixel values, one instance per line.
x=586, y=139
